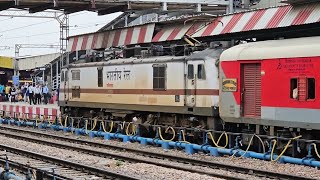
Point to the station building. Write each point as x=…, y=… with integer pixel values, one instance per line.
x=6, y=69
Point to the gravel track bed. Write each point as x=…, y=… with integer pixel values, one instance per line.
x=138, y=170
x=46, y=166
x=292, y=169
x=133, y=155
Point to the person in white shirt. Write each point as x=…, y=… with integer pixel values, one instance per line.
x=37, y=92
x=31, y=94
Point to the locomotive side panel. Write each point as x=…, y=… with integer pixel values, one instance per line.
x=139, y=84
x=145, y=87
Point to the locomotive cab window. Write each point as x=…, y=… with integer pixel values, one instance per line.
x=311, y=83
x=294, y=88
x=190, y=71
x=100, y=77
x=159, y=77
x=201, y=71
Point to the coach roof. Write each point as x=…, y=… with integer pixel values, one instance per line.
x=286, y=48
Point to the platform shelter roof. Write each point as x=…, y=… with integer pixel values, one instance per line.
x=113, y=38
x=253, y=20
x=260, y=19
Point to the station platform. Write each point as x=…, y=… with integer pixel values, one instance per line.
x=25, y=110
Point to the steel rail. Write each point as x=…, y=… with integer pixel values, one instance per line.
x=23, y=168
x=76, y=166
x=210, y=164
x=115, y=156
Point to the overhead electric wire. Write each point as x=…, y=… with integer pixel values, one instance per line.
x=21, y=27
x=34, y=35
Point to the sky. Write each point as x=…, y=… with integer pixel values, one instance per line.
x=44, y=31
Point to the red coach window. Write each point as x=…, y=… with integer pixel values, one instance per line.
x=294, y=88
x=311, y=85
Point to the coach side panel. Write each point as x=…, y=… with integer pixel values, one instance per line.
x=279, y=79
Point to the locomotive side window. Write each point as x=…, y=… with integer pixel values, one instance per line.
x=66, y=76
x=75, y=75
x=62, y=76
x=190, y=71
x=311, y=82
x=201, y=71
x=159, y=77
x=294, y=88
x=100, y=77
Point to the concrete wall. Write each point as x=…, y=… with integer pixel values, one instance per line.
x=36, y=61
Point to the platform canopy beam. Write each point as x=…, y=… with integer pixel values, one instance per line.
x=111, y=6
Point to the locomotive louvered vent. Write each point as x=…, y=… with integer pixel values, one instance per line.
x=145, y=53
x=156, y=50
x=137, y=51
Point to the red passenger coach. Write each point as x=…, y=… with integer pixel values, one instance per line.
x=272, y=83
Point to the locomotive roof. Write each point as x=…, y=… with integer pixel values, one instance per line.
x=200, y=55
x=286, y=48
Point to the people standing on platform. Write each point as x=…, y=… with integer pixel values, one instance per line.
x=37, y=92
x=27, y=94
x=31, y=94
x=23, y=92
x=13, y=93
x=2, y=92
x=7, y=91
x=45, y=92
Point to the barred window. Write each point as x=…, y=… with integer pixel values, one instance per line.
x=159, y=77
x=303, y=88
x=75, y=91
x=100, y=77
x=75, y=74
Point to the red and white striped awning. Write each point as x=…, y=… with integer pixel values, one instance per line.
x=283, y=16
x=119, y=37
x=175, y=32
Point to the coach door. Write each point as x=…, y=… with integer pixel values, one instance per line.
x=191, y=84
x=251, y=90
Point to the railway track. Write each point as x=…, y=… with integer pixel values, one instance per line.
x=50, y=166
x=215, y=165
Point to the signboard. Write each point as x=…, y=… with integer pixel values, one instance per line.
x=229, y=85
x=6, y=62
x=15, y=80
